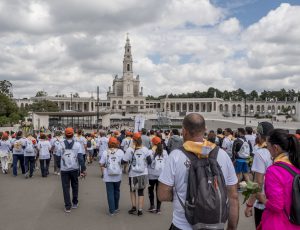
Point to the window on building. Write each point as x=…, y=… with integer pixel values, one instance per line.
x=128, y=67
x=128, y=88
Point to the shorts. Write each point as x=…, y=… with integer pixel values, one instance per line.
x=138, y=183
x=241, y=167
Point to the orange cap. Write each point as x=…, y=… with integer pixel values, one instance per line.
x=116, y=132
x=136, y=136
x=156, y=140
x=4, y=134
x=113, y=140
x=128, y=133
x=69, y=131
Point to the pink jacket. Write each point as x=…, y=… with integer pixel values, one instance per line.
x=278, y=190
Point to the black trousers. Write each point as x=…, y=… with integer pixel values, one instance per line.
x=29, y=164
x=153, y=184
x=257, y=216
x=44, y=164
x=67, y=178
x=57, y=163
x=173, y=227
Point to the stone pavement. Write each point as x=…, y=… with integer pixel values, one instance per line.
x=37, y=204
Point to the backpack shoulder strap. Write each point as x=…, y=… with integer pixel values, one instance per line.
x=214, y=153
x=189, y=155
x=291, y=171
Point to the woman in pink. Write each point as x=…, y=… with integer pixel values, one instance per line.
x=284, y=149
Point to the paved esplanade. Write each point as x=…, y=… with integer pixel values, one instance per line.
x=37, y=204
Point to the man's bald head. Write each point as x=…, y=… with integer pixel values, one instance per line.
x=194, y=124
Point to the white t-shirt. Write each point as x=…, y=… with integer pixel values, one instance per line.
x=261, y=161
x=227, y=146
x=175, y=174
x=128, y=158
x=30, y=149
x=152, y=174
x=56, y=142
x=103, y=145
x=44, y=147
x=251, y=138
x=82, y=141
x=21, y=144
x=119, y=155
x=126, y=143
x=5, y=146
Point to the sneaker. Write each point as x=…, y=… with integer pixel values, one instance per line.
x=151, y=209
x=158, y=211
x=26, y=175
x=132, y=211
x=58, y=174
x=74, y=206
x=117, y=210
x=67, y=210
x=55, y=173
x=111, y=214
x=140, y=213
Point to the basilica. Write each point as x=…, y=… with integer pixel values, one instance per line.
x=125, y=100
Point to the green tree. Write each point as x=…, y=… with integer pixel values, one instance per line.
x=44, y=106
x=76, y=95
x=252, y=95
x=7, y=105
x=4, y=120
x=5, y=88
x=41, y=93
x=14, y=117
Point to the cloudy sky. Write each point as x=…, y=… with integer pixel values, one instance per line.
x=177, y=45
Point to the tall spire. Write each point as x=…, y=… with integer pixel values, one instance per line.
x=127, y=61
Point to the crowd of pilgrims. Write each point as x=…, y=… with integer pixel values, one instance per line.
x=140, y=154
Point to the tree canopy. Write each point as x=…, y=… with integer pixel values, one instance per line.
x=44, y=106
x=6, y=88
x=41, y=93
x=236, y=95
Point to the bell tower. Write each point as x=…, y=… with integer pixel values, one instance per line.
x=127, y=61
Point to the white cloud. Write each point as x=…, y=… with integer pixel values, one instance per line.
x=230, y=26
x=178, y=46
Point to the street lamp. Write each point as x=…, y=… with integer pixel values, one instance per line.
x=71, y=110
x=245, y=121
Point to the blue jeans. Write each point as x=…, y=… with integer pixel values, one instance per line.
x=16, y=158
x=29, y=164
x=113, y=195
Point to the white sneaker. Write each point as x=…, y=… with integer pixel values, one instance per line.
x=67, y=210
x=58, y=174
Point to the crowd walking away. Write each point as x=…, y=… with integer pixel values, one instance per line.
x=202, y=172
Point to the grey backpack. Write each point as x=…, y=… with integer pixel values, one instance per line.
x=206, y=205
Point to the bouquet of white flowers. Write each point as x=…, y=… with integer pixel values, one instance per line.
x=249, y=188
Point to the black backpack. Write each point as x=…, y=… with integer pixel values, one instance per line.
x=89, y=143
x=294, y=217
x=206, y=205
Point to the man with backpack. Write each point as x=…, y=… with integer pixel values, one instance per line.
x=71, y=162
x=241, y=151
x=29, y=155
x=210, y=201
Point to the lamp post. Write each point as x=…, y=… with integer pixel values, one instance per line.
x=71, y=110
x=245, y=110
x=97, y=104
